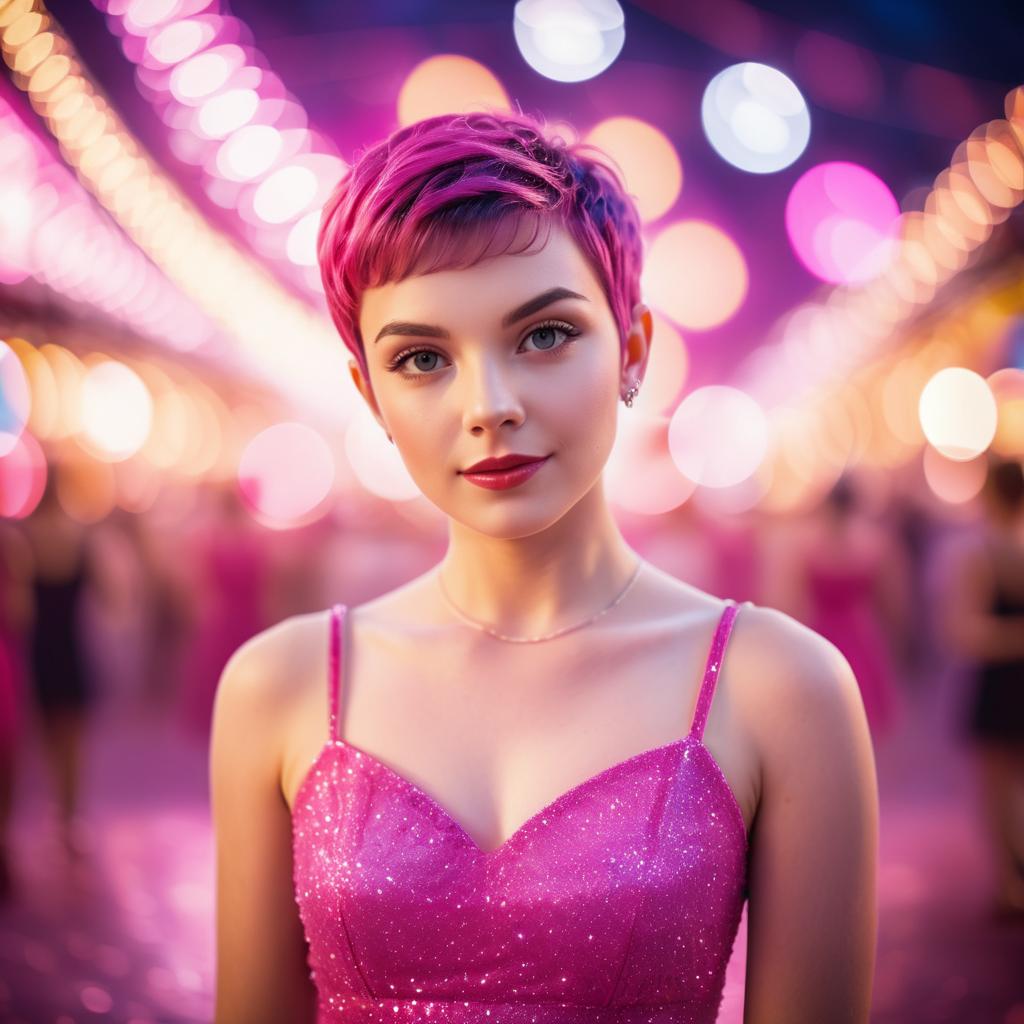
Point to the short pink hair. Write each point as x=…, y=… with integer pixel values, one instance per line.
x=426, y=196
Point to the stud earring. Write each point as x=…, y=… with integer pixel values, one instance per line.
x=634, y=390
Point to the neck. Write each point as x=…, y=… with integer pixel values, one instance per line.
x=533, y=585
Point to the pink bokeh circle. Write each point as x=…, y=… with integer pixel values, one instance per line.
x=842, y=222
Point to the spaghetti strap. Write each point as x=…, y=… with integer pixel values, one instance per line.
x=334, y=668
x=712, y=668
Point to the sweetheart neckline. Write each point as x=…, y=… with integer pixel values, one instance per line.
x=556, y=804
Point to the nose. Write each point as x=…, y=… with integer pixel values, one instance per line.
x=490, y=396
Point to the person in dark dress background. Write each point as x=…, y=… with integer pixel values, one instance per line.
x=59, y=673
x=987, y=625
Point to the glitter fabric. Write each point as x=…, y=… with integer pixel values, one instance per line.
x=617, y=902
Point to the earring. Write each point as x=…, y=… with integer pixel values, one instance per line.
x=634, y=390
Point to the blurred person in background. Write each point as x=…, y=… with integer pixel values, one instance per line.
x=169, y=599
x=230, y=587
x=851, y=584
x=63, y=568
x=985, y=622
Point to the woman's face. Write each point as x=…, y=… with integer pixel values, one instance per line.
x=519, y=353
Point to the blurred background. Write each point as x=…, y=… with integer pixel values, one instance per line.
x=832, y=421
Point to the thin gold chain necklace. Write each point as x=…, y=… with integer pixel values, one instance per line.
x=536, y=639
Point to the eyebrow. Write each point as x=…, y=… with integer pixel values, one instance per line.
x=528, y=308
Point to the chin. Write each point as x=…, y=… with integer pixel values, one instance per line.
x=510, y=523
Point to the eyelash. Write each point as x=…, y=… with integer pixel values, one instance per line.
x=567, y=329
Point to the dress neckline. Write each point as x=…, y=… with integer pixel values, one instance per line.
x=364, y=757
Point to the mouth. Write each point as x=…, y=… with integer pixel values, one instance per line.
x=509, y=476
x=503, y=463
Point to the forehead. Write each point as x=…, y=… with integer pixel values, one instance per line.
x=487, y=289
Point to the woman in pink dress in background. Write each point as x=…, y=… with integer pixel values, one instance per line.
x=849, y=577
x=232, y=566
x=537, y=783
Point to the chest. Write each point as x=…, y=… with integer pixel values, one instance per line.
x=494, y=741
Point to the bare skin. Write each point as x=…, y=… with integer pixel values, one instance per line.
x=496, y=731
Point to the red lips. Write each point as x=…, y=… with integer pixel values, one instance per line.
x=502, y=462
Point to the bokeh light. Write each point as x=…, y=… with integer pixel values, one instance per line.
x=145, y=14
x=22, y=477
x=301, y=243
x=954, y=482
x=375, y=462
x=958, y=413
x=842, y=221
x=15, y=398
x=284, y=194
x=718, y=436
x=286, y=474
x=1007, y=386
x=116, y=410
x=228, y=111
x=179, y=40
x=569, y=40
x=695, y=274
x=202, y=75
x=755, y=118
x=448, y=83
x=249, y=152
x=640, y=475
x=649, y=162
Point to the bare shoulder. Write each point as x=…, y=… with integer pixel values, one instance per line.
x=261, y=682
x=796, y=688
x=773, y=658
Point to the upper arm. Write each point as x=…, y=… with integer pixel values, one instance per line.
x=262, y=973
x=812, y=916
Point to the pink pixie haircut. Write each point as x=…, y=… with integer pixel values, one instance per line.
x=449, y=191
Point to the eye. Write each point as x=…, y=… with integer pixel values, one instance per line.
x=546, y=335
x=398, y=363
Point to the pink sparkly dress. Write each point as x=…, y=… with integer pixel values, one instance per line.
x=617, y=902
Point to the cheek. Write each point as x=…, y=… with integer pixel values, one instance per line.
x=587, y=405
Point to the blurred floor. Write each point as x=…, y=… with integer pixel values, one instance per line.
x=127, y=936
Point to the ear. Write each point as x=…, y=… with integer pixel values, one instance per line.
x=363, y=385
x=638, y=344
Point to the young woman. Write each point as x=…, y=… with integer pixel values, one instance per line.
x=503, y=792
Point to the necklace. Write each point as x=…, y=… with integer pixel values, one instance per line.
x=536, y=639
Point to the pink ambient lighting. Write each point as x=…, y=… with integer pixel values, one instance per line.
x=220, y=115
x=250, y=152
x=842, y=221
x=202, y=75
x=179, y=40
x=22, y=477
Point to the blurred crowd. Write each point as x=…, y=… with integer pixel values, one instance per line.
x=142, y=612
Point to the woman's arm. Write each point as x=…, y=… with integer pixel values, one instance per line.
x=262, y=975
x=812, y=916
